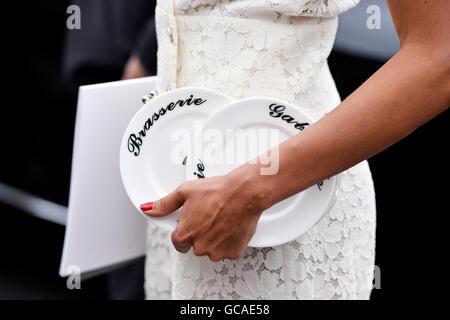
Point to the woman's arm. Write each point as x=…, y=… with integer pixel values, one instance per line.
x=410, y=89
x=220, y=214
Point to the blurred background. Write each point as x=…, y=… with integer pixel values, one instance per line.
x=43, y=65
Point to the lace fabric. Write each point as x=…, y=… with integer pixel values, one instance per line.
x=272, y=9
x=284, y=58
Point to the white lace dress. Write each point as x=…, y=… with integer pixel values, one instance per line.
x=276, y=48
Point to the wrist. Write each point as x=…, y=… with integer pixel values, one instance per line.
x=250, y=183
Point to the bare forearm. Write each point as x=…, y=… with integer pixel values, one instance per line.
x=405, y=93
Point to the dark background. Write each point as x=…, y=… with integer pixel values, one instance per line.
x=37, y=122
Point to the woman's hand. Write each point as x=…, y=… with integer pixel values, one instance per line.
x=218, y=218
x=134, y=69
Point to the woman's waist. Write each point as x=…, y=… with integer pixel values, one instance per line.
x=309, y=36
x=242, y=59
x=317, y=96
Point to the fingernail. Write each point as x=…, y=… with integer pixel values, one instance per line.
x=147, y=206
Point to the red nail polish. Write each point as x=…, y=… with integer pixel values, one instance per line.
x=147, y=206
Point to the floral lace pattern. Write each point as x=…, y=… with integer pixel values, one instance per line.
x=228, y=53
x=264, y=8
x=287, y=61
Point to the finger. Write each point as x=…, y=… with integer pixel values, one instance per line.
x=182, y=237
x=164, y=206
x=235, y=245
x=181, y=243
x=229, y=250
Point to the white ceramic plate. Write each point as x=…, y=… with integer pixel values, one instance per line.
x=151, y=152
x=289, y=218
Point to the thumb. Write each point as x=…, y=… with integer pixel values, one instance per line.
x=164, y=206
